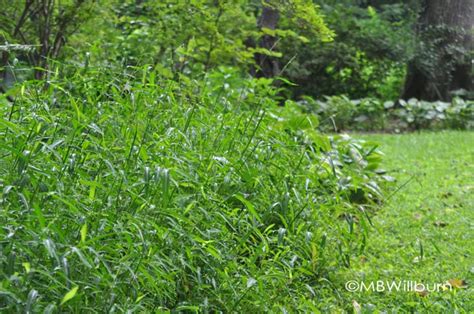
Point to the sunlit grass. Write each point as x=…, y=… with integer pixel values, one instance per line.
x=425, y=229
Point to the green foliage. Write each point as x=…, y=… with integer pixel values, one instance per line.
x=192, y=36
x=439, y=50
x=125, y=191
x=304, y=15
x=182, y=34
x=341, y=113
x=44, y=26
x=146, y=171
x=186, y=37
x=366, y=58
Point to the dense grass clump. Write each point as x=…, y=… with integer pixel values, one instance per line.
x=123, y=192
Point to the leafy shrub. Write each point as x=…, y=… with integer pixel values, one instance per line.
x=366, y=59
x=340, y=113
x=458, y=114
x=130, y=192
x=192, y=37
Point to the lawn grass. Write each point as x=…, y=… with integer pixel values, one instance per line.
x=424, y=231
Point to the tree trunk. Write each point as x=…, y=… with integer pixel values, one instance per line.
x=443, y=62
x=45, y=24
x=267, y=66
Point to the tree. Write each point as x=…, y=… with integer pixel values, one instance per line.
x=267, y=66
x=366, y=59
x=442, y=62
x=43, y=24
x=298, y=18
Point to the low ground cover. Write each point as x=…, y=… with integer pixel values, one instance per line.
x=424, y=232
x=338, y=113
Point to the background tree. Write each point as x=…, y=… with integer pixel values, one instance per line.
x=267, y=66
x=442, y=63
x=44, y=25
x=300, y=20
x=367, y=57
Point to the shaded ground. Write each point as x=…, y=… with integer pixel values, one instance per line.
x=425, y=231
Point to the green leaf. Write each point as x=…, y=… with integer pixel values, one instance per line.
x=27, y=267
x=84, y=233
x=249, y=206
x=71, y=294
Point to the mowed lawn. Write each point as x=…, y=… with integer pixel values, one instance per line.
x=424, y=233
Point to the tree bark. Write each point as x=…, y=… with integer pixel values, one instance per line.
x=440, y=69
x=267, y=66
